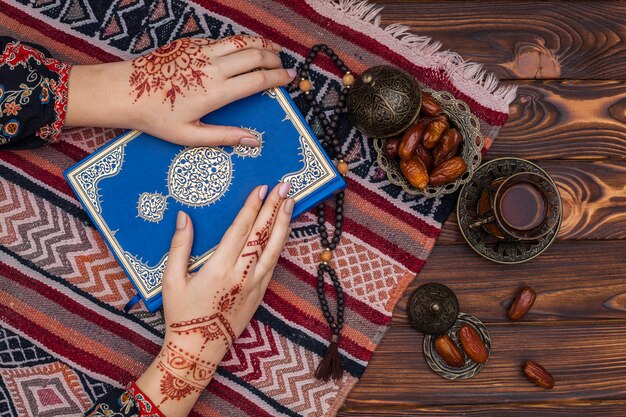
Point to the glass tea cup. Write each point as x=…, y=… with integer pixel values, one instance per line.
x=518, y=207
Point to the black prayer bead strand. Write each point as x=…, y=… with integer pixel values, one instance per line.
x=331, y=144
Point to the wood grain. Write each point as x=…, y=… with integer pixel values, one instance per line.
x=575, y=129
x=552, y=409
x=565, y=120
x=587, y=359
x=593, y=196
x=573, y=281
x=524, y=40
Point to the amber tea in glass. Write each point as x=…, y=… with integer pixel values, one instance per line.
x=516, y=208
x=522, y=206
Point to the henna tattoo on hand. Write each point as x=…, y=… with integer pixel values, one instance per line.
x=263, y=235
x=173, y=68
x=183, y=373
x=266, y=43
x=240, y=41
x=227, y=302
x=213, y=327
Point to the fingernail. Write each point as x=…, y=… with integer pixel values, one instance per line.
x=181, y=220
x=249, y=142
x=283, y=189
x=276, y=47
x=288, y=207
x=292, y=72
x=263, y=192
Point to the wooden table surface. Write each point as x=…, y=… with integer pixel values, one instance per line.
x=569, y=61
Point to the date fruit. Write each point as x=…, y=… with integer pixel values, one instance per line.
x=448, y=171
x=538, y=374
x=391, y=147
x=415, y=172
x=434, y=130
x=449, y=351
x=410, y=140
x=522, y=303
x=473, y=344
x=429, y=106
x=448, y=146
x=425, y=156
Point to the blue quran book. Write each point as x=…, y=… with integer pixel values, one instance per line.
x=134, y=186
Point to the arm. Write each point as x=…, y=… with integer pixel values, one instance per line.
x=163, y=93
x=205, y=312
x=167, y=91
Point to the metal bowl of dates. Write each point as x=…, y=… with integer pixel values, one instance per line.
x=466, y=123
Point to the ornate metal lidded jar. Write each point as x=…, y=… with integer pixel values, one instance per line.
x=433, y=308
x=384, y=101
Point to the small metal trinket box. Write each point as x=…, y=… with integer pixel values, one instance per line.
x=434, y=310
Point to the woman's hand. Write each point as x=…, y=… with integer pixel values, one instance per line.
x=166, y=92
x=207, y=310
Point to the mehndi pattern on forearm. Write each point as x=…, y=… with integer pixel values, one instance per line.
x=183, y=373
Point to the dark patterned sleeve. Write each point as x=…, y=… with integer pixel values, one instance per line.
x=129, y=402
x=33, y=95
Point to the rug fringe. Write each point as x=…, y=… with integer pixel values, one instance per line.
x=362, y=10
x=470, y=77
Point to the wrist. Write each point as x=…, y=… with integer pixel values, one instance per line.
x=98, y=96
x=209, y=354
x=178, y=375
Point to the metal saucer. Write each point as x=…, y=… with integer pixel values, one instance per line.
x=485, y=244
x=470, y=368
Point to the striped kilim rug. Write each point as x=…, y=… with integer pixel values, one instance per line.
x=64, y=339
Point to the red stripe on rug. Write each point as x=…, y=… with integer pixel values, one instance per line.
x=430, y=77
x=236, y=399
x=49, y=30
x=70, y=150
x=395, y=252
x=381, y=202
x=49, y=340
x=78, y=309
x=296, y=315
x=356, y=305
x=58, y=183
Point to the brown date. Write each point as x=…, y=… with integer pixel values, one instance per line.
x=426, y=157
x=448, y=145
x=538, y=374
x=391, y=147
x=522, y=303
x=473, y=344
x=448, y=171
x=410, y=140
x=415, y=172
x=449, y=351
x=429, y=106
x=434, y=130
